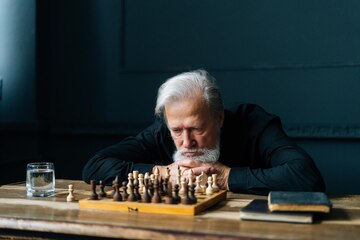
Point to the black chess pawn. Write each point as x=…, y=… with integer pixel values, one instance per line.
x=124, y=193
x=192, y=194
x=176, y=197
x=165, y=187
x=93, y=195
x=186, y=199
x=169, y=196
x=156, y=198
x=117, y=196
x=136, y=192
x=102, y=193
x=116, y=180
x=151, y=188
x=146, y=198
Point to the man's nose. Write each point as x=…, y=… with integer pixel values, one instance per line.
x=188, y=141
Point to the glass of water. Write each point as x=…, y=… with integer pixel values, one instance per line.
x=40, y=179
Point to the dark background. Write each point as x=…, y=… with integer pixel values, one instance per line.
x=76, y=76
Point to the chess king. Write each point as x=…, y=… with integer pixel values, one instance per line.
x=244, y=145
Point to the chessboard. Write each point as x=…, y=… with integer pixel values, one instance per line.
x=203, y=202
x=156, y=194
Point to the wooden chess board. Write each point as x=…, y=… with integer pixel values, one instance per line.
x=203, y=202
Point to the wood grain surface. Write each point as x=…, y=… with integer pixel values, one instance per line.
x=55, y=215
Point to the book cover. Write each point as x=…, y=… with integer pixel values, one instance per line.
x=258, y=210
x=299, y=201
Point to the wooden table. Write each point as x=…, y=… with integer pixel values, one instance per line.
x=51, y=218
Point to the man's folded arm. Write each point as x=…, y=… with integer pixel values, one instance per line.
x=287, y=167
x=106, y=169
x=133, y=153
x=294, y=175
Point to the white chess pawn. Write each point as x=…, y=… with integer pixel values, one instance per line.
x=130, y=181
x=191, y=177
x=141, y=183
x=214, y=184
x=146, y=176
x=198, y=188
x=135, y=177
x=203, y=180
x=178, y=176
x=70, y=197
x=156, y=173
x=209, y=189
x=182, y=185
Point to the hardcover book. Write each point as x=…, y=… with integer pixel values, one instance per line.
x=299, y=201
x=258, y=210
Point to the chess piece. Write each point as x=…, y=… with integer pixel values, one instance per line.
x=102, y=193
x=214, y=184
x=209, y=189
x=156, y=174
x=176, y=197
x=141, y=183
x=130, y=180
x=165, y=186
x=182, y=185
x=186, y=200
x=169, y=197
x=198, y=188
x=192, y=194
x=167, y=173
x=136, y=192
x=116, y=180
x=160, y=187
x=70, y=197
x=146, y=198
x=203, y=181
x=124, y=193
x=131, y=197
x=156, y=197
x=191, y=177
x=178, y=176
x=150, y=187
x=93, y=195
x=117, y=196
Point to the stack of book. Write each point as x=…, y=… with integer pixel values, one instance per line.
x=295, y=207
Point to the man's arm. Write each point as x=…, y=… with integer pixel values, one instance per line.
x=287, y=167
x=133, y=153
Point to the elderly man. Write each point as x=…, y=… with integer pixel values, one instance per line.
x=245, y=146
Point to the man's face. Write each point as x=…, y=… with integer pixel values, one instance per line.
x=193, y=126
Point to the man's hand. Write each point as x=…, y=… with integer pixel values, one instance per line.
x=173, y=171
x=209, y=168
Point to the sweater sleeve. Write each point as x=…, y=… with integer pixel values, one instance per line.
x=140, y=152
x=287, y=166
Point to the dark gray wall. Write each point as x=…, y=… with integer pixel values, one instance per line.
x=100, y=64
x=17, y=61
x=19, y=142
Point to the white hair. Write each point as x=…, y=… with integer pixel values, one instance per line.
x=187, y=84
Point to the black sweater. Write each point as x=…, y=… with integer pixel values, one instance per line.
x=253, y=144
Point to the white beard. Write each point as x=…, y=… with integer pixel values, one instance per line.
x=207, y=156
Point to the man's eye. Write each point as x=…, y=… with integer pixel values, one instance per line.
x=177, y=131
x=197, y=130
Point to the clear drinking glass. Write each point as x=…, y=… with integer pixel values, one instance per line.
x=40, y=179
